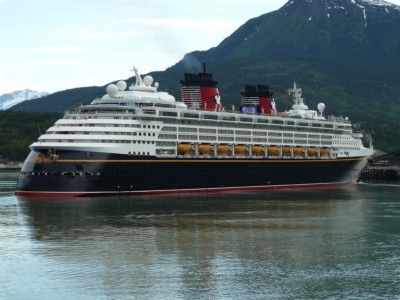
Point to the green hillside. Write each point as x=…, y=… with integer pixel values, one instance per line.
x=18, y=130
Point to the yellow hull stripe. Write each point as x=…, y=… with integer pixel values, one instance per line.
x=198, y=160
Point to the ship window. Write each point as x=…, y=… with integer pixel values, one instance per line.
x=242, y=119
x=187, y=137
x=275, y=140
x=260, y=133
x=168, y=128
x=187, y=129
x=260, y=140
x=168, y=113
x=277, y=122
x=207, y=130
x=241, y=132
x=300, y=142
x=225, y=138
x=190, y=115
x=224, y=131
x=243, y=139
x=228, y=118
x=210, y=117
x=208, y=138
x=262, y=120
x=273, y=133
x=167, y=136
x=302, y=124
x=313, y=136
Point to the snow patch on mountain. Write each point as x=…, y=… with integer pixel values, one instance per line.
x=10, y=99
x=376, y=3
x=380, y=3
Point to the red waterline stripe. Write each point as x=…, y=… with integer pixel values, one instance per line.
x=44, y=194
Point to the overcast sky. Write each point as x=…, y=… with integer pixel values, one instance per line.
x=52, y=45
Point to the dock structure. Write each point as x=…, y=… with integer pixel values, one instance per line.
x=383, y=167
x=381, y=173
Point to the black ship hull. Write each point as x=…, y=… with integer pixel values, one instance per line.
x=75, y=173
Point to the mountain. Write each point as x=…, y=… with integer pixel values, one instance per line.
x=345, y=53
x=61, y=101
x=347, y=31
x=9, y=100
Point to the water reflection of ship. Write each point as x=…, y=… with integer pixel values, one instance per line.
x=196, y=239
x=198, y=221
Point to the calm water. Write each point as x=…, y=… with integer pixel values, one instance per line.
x=341, y=243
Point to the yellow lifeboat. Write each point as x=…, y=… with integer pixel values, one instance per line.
x=324, y=151
x=240, y=148
x=204, y=148
x=184, y=148
x=222, y=148
x=272, y=149
x=256, y=149
x=298, y=150
x=285, y=149
x=311, y=151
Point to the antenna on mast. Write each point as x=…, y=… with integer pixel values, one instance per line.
x=139, y=80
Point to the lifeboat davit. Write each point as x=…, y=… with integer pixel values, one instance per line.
x=272, y=149
x=204, y=148
x=184, y=148
x=324, y=151
x=256, y=149
x=311, y=151
x=223, y=148
x=240, y=148
x=298, y=150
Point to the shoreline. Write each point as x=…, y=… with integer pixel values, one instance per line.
x=8, y=168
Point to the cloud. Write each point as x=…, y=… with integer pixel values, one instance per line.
x=54, y=49
x=116, y=35
x=8, y=85
x=182, y=23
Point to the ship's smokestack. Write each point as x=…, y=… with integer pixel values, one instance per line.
x=199, y=91
x=258, y=99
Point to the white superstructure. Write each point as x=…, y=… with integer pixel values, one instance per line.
x=142, y=121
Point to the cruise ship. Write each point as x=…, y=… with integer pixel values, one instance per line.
x=138, y=140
